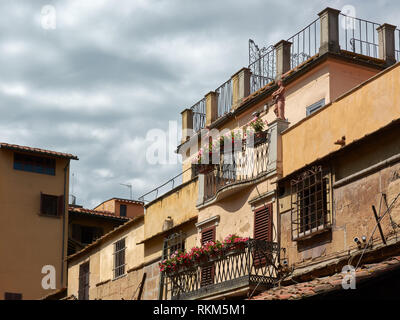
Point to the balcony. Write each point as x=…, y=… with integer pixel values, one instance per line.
x=234, y=271
x=238, y=166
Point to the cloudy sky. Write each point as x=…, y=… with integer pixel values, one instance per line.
x=110, y=71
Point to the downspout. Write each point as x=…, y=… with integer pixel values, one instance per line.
x=65, y=212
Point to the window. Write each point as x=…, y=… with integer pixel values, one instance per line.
x=310, y=213
x=36, y=164
x=207, y=273
x=262, y=230
x=314, y=107
x=122, y=210
x=85, y=234
x=83, y=293
x=12, y=296
x=119, y=258
x=51, y=205
x=263, y=223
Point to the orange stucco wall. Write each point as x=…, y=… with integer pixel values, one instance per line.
x=370, y=107
x=29, y=241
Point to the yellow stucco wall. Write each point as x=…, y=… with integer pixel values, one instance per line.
x=180, y=205
x=368, y=108
x=101, y=262
x=29, y=241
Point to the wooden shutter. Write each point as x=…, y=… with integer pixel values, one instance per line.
x=207, y=273
x=12, y=296
x=61, y=205
x=263, y=223
x=262, y=231
x=83, y=293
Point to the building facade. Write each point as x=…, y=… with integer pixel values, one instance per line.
x=295, y=157
x=34, y=227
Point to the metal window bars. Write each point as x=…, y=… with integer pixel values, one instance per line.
x=305, y=43
x=119, y=258
x=254, y=264
x=262, y=65
x=225, y=97
x=359, y=36
x=199, y=115
x=310, y=200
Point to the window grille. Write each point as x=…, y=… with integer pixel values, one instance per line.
x=119, y=258
x=310, y=198
x=83, y=293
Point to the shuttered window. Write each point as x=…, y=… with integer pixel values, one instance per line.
x=83, y=293
x=262, y=230
x=207, y=273
x=263, y=223
x=51, y=205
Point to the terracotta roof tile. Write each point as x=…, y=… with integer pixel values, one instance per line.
x=328, y=283
x=37, y=150
x=106, y=214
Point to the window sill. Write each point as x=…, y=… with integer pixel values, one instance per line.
x=311, y=233
x=119, y=277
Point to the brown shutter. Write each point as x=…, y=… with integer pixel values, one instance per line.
x=207, y=273
x=262, y=231
x=263, y=223
x=41, y=202
x=61, y=206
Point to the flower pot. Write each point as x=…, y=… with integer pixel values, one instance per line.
x=205, y=168
x=260, y=137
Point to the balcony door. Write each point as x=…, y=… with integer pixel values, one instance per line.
x=207, y=273
x=83, y=293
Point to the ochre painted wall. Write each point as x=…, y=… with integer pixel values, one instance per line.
x=101, y=263
x=29, y=241
x=370, y=107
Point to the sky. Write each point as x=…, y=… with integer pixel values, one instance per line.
x=94, y=78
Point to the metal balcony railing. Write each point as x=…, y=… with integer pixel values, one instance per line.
x=240, y=164
x=225, y=98
x=262, y=64
x=358, y=35
x=305, y=43
x=199, y=115
x=254, y=264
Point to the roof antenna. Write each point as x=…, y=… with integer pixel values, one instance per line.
x=130, y=188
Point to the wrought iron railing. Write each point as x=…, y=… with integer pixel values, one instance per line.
x=305, y=43
x=164, y=188
x=199, y=115
x=254, y=264
x=225, y=98
x=240, y=164
x=262, y=64
x=359, y=36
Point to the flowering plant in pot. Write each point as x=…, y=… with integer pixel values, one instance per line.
x=235, y=242
x=257, y=124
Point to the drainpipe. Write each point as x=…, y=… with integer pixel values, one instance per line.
x=63, y=224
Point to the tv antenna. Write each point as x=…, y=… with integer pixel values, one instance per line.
x=128, y=185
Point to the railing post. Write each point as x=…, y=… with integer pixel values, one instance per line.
x=282, y=49
x=211, y=107
x=240, y=86
x=187, y=124
x=386, y=43
x=275, y=129
x=329, y=19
